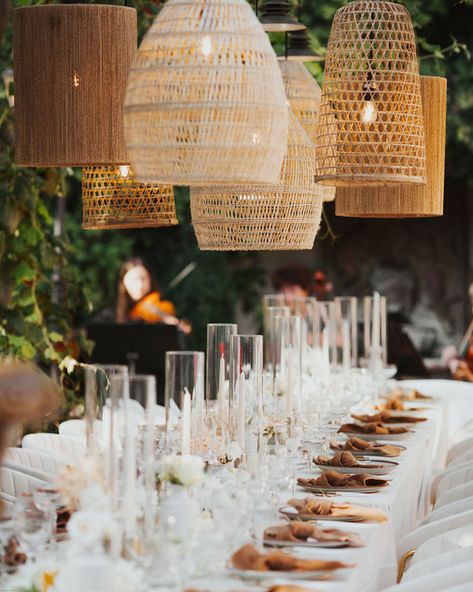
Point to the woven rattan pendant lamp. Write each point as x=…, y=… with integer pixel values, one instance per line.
x=399, y=201
x=113, y=198
x=371, y=126
x=299, y=49
x=205, y=100
x=285, y=216
x=304, y=95
x=276, y=17
x=71, y=63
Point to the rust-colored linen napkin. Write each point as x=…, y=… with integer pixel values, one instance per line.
x=334, y=479
x=387, y=417
x=343, y=459
x=249, y=558
x=298, y=531
x=313, y=506
x=372, y=428
x=355, y=444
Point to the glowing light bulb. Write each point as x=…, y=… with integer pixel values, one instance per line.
x=124, y=170
x=76, y=80
x=256, y=137
x=206, y=46
x=369, y=113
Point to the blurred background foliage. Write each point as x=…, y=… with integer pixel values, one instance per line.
x=42, y=319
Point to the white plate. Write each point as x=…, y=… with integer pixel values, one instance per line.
x=371, y=437
x=312, y=544
x=387, y=467
x=372, y=489
x=262, y=576
x=293, y=514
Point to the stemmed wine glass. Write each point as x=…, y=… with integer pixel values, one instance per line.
x=33, y=526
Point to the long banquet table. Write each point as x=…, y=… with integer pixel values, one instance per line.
x=405, y=501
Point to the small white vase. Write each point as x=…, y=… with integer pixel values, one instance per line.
x=179, y=511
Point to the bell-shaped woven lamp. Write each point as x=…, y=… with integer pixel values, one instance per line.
x=113, y=198
x=371, y=126
x=304, y=95
x=401, y=201
x=71, y=64
x=299, y=49
x=285, y=216
x=205, y=100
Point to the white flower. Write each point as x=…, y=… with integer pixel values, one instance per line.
x=186, y=469
x=91, y=529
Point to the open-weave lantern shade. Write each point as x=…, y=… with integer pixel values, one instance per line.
x=71, y=63
x=205, y=100
x=304, y=96
x=285, y=216
x=113, y=198
x=398, y=201
x=371, y=126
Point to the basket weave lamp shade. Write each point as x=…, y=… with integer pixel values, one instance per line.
x=371, y=126
x=304, y=96
x=399, y=201
x=71, y=63
x=205, y=100
x=113, y=198
x=285, y=216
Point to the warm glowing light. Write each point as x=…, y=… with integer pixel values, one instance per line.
x=369, y=113
x=124, y=170
x=206, y=46
x=76, y=80
x=256, y=137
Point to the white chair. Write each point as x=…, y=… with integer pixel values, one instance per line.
x=7, y=502
x=457, y=493
x=34, y=459
x=36, y=473
x=442, y=561
x=458, y=538
x=440, y=581
x=413, y=540
x=71, y=448
x=459, y=448
x=15, y=483
x=460, y=588
x=453, y=478
x=465, y=456
x=448, y=470
x=74, y=428
x=457, y=507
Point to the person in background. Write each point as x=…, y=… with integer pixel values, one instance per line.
x=139, y=298
x=322, y=287
x=460, y=360
x=294, y=281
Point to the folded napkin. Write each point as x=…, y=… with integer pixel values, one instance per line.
x=410, y=395
x=358, y=445
x=314, y=506
x=393, y=404
x=334, y=479
x=249, y=558
x=343, y=459
x=372, y=428
x=289, y=588
x=298, y=531
x=386, y=417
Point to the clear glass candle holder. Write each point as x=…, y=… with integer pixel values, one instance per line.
x=184, y=401
x=269, y=339
x=371, y=326
x=218, y=368
x=346, y=319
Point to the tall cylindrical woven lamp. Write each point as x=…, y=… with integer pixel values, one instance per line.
x=205, y=100
x=71, y=63
x=371, y=128
x=285, y=216
x=399, y=201
x=113, y=198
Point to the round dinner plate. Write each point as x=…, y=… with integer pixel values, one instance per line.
x=292, y=514
x=387, y=467
x=371, y=437
x=373, y=489
x=311, y=545
x=261, y=576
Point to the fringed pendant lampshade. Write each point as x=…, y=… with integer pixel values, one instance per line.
x=71, y=63
x=205, y=100
x=285, y=216
x=113, y=198
x=371, y=126
x=304, y=95
x=400, y=201
x=276, y=17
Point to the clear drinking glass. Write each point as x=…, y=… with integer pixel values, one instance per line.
x=184, y=401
